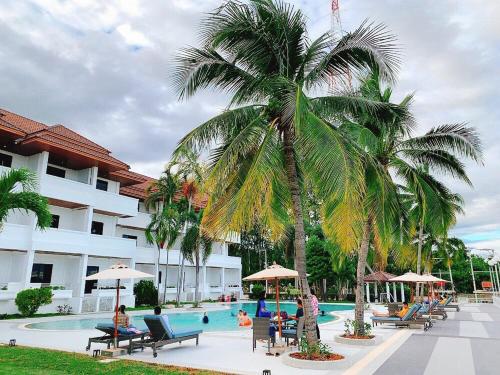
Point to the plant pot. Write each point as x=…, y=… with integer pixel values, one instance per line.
x=315, y=365
x=359, y=342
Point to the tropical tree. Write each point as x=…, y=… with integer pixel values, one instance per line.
x=275, y=135
x=166, y=222
x=393, y=153
x=18, y=192
x=196, y=248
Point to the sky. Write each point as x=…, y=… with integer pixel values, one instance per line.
x=102, y=68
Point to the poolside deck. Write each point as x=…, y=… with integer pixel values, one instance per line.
x=466, y=343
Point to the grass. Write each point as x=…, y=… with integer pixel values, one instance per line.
x=22, y=360
x=19, y=316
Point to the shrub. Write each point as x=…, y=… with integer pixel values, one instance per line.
x=351, y=327
x=257, y=290
x=312, y=351
x=64, y=309
x=145, y=293
x=28, y=301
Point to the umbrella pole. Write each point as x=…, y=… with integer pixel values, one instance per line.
x=278, y=305
x=116, y=311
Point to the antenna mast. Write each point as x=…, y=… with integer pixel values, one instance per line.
x=337, y=33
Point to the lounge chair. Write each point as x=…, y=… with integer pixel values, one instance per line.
x=160, y=333
x=109, y=337
x=448, y=305
x=262, y=331
x=432, y=310
x=294, y=332
x=405, y=321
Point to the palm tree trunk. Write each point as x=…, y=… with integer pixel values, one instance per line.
x=157, y=267
x=197, y=279
x=360, y=278
x=419, y=252
x=451, y=276
x=300, y=238
x=165, y=282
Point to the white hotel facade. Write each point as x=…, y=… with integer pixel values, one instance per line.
x=99, y=219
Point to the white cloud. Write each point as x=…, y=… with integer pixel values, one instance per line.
x=133, y=37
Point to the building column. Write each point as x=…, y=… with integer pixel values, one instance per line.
x=376, y=291
x=93, y=176
x=223, y=281
x=240, y=292
x=388, y=291
x=28, y=267
x=395, y=292
x=81, y=275
x=204, y=282
x=402, y=293
x=368, y=292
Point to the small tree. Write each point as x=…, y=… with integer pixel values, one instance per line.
x=145, y=293
x=28, y=301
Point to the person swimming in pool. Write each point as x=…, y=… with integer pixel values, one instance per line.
x=205, y=318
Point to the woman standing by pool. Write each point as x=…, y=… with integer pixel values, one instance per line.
x=262, y=311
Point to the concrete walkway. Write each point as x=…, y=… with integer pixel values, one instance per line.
x=467, y=343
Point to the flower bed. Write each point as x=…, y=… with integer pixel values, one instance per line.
x=317, y=357
x=358, y=337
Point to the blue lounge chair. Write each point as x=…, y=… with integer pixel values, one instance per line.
x=161, y=333
x=405, y=321
x=448, y=305
x=109, y=336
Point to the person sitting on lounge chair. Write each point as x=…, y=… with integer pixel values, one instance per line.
x=442, y=300
x=123, y=319
x=399, y=314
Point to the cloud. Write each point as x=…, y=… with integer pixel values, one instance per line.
x=102, y=68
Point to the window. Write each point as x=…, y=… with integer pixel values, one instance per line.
x=97, y=227
x=101, y=185
x=91, y=284
x=129, y=236
x=41, y=273
x=55, y=221
x=54, y=171
x=5, y=160
x=159, y=277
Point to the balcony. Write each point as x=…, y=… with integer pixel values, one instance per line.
x=87, y=195
x=70, y=241
x=140, y=221
x=15, y=237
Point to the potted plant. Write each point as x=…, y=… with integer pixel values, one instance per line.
x=355, y=335
x=318, y=356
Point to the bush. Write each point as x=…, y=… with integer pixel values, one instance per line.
x=28, y=301
x=145, y=293
x=257, y=290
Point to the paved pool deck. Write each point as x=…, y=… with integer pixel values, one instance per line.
x=468, y=342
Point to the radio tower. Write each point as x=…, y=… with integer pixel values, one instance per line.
x=337, y=33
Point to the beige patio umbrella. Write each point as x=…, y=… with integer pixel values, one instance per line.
x=431, y=279
x=274, y=272
x=409, y=277
x=118, y=272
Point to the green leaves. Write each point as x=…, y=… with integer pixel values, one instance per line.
x=17, y=192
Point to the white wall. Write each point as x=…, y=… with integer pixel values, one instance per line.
x=141, y=237
x=109, y=223
x=64, y=269
x=11, y=262
x=82, y=175
x=71, y=219
x=214, y=276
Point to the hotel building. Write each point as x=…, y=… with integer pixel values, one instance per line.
x=99, y=218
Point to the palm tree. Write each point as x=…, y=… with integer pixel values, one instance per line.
x=196, y=248
x=17, y=192
x=275, y=136
x=166, y=222
x=393, y=152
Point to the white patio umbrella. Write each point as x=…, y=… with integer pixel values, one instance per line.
x=274, y=272
x=118, y=272
x=409, y=277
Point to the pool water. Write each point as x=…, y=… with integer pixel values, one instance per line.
x=220, y=320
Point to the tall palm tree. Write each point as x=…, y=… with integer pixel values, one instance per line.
x=392, y=153
x=166, y=222
x=17, y=192
x=275, y=135
x=196, y=248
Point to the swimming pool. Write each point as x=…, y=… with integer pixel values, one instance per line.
x=219, y=320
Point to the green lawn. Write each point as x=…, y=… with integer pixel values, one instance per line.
x=23, y=361
x=19, y=316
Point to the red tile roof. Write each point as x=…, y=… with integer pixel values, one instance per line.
x=22, y=123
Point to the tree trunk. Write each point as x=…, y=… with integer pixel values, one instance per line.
x=197, y=278
x=300, y=238
x=451, y=276
x=165, y=282
x=157, y=269
x=419, y=253
x=360, y=278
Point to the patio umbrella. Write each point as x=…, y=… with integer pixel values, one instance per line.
x=118, y=272
x=274, y=272
x=409, y=277
x=431, y=280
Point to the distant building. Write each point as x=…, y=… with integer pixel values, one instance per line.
x=99, y=219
